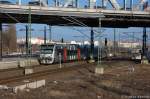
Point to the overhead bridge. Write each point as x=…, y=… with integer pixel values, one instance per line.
x=74, y=16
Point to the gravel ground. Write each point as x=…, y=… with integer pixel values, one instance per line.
x=121, y=80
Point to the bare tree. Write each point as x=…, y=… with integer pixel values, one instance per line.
x=10, y=39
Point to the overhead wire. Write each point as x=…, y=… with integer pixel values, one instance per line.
x=74, y=20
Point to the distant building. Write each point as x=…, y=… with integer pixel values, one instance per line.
x=147, y=9
x=75, y=42
x=37, y=41
x=128, y=44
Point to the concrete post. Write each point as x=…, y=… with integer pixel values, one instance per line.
x=1, y=47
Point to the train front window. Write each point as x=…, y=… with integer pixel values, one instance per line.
x=47, y=49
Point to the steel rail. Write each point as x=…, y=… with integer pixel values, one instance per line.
x=42, y=73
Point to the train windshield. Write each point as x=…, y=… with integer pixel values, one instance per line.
x=47, y=49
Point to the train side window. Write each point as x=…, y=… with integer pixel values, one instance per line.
x=69, y=47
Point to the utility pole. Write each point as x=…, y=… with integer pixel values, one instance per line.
x=76, y=3
x=29, y=31
x=102, y=4
x=72, y=3
x=50, y=33
x=89, y=4
x=1, y=42
x=114, y=42
x=99, y=68
x=144, y=48
x=131, y=4
x=92, y=43
x=99, y=40
x=132, y=40
x=106, y=47
x=124, y=4
x=119, y=43
x=44, y=34
x=19, y=2
x=55, y=3
x=47, y=2
x=27, y=39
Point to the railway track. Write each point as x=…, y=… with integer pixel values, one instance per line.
x=42, y=73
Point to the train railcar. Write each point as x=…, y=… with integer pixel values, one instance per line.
x=53, y=53
x=86, y=50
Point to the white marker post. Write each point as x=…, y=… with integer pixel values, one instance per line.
x=60, y=66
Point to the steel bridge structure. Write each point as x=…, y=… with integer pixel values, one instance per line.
x=84, y=13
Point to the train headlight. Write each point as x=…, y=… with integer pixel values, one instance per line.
x=45, y=55
x=41, y=56
x=48, y=55
x=110, y=55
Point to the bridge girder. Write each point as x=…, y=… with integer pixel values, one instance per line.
x=90, y=17
x=108, y=21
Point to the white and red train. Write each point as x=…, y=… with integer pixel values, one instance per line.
x=53, y=53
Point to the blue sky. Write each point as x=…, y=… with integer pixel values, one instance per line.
x=68, y=33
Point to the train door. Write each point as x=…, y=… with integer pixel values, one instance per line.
x=55, y=54
x=59, y=53
x=65, y=54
